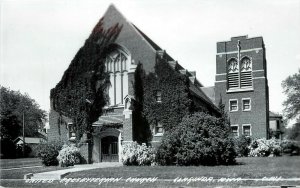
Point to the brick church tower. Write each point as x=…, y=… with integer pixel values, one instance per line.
x=242, y=85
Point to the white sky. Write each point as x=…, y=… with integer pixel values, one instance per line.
x=39, y=38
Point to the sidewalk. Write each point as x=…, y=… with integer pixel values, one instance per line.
x=59, y=174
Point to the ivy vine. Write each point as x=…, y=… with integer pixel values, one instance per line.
x=176, y=101
x=81, y=93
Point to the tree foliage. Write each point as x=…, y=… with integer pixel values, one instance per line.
x=81, y=93
x=293, y=133
x=141, y=128
x=291, y=86
x=13, y=105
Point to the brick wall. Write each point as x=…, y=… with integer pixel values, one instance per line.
x=258, y=115
x=58, y=130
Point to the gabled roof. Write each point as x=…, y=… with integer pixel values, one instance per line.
x=200, y=94
x=273, y=114
x=28, y=140
x=153, y=44
x=209, y=92
x=113, y=14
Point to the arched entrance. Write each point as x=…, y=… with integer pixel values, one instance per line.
x=109, y=149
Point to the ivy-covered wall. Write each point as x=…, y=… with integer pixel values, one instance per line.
x=81, y=94
x=175, y=96
x=177, y=99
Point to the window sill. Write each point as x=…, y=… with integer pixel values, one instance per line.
x=233, y=111
x=246, y=110
x=158, y=134
x=239, y=90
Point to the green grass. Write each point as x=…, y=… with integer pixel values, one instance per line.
x=285, y=167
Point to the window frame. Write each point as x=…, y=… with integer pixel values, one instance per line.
x=237, y=105
x=250, y=106
x=238, y=130
x=243, y=129
x=155, y=133
x=237, y=72
x=158, y=96
x=71, y=131
x=251, y=72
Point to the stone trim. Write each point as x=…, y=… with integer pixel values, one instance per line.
x=233, y=52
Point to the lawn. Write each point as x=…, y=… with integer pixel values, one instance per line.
x=247, y=168
x=11, y=163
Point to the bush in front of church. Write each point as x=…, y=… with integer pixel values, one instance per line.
x=263, y=148
x=48, y=152
x=200, y=139
x=242, y=144
x=69, y=156
x=290, y=147
x=135, y=154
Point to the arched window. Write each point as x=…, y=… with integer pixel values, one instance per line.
x=232, y=74
x=246, y=73
x=117, y=63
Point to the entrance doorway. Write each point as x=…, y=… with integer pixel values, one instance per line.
x=109, y=149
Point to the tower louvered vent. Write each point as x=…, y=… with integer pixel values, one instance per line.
x=233, y=74
x=246, y=73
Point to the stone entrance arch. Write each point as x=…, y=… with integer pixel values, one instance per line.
x=107, y=146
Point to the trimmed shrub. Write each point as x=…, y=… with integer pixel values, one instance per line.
x=48, y=152
x=69, y=155
x=135, y=154
x=8, y=148
x=264, y=148
x=290, y=147
x=200, y=139
x=242, y=144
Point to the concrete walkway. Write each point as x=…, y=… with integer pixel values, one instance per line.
x=59, y=174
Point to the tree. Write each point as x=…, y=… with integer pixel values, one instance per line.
x=291, y=86
x=224, y=119
x=293, y=133
x=13, y=105
x=141, y=128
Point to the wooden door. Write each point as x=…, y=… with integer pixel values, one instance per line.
x=109, y=149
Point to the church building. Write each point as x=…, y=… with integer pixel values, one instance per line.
x=115, y=126
x=241, y=84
